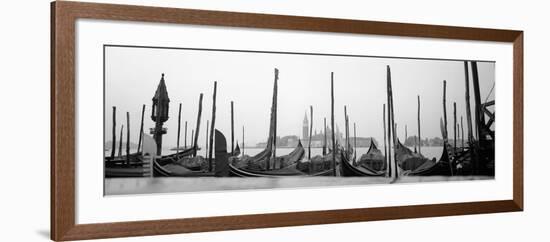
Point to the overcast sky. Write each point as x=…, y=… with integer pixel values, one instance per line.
x=132, y=75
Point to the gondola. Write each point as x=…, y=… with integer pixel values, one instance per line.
x=347, y=169
x=317, y=165
x=373, y=159
x=142, y=170
x=123, y=167
x=173, y=158
x=431, y=168
x=137, y=167
x=184, y=159
x=121, y=160
x=244, y=172
x=258, y=161
x=289, y=171
x=291, y=158
x=407, y=159
x=285, y=172
x=442, y=167
x=178, y=170
x=174, y=170
x=288, y=161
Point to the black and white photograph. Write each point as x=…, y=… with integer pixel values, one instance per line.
x=193, y=120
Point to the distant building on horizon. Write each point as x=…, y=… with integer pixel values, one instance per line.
x=317, y=138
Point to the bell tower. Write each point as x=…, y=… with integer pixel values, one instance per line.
x=159, y=113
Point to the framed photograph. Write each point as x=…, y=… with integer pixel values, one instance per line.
x=172, y=120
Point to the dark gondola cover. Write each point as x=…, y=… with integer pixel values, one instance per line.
x=259, y=160
x=347, y=169
x=240, y=172
x=173, y=158
x=318, y=164
x=223, y=166
x=291, y=158
x=289, y=164
x=173, y=169
x=255, y=164
x=429, y=168
x=407, y=159
x=373, y=159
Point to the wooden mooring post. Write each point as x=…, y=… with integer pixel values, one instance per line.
x=113, y=149
x=392, y=117
x=462, y=127
x=354, y=143
x=445, y=110
x=418, y=114
x=479, y=115
x=192, y=135
x=467, y=97
x=346, y=147
x=458, y=136
x=390, y=125
x=454, y=126
x=325, y=139
x=334, y=151
x=141, y=128
x=212, y=125
x=232, y=130
x=185, y=136
x=446, y=133
x=197, y=129
x=385, y=139
x=310, y=132
x=178, y=137
x=274, y=121
x=128, y=138
x=206, y=143
x=120, y=142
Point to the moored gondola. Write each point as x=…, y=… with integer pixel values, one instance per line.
x=135, y=169
x=178, y=170
x=318, y=165
x=122, y=160
x=173, y=158
x=347, y=169
x=289, y=171
x=291, y=158
x=267, y=160
x=407, y=159
x=175, y=170
x=373, y=159
x=432, y=168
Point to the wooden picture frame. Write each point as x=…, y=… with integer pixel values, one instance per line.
x=63, y=18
